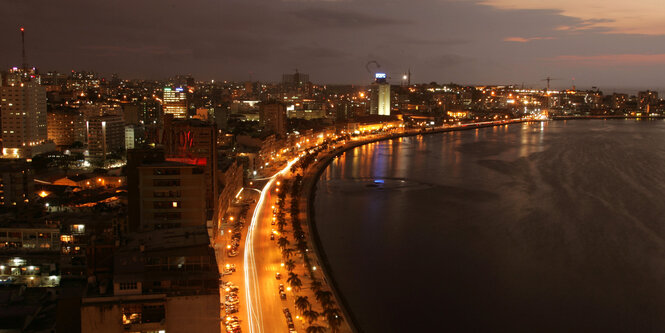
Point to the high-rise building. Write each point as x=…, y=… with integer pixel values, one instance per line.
x=136, y=158
x=66, y=127
x=130, y=137
x=647, y=99
x=295, y=80
x=193, y=141
x=172, y=194
x=105, y=134
x=380, y=96
x=272, y=116
x=175, y=102
x=23, y=120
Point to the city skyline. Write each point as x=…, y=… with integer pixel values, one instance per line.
x=487, y=42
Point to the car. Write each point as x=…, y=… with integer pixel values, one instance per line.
x=272, y=236
x=281, y=287
x=278, y=276
x=282, y=295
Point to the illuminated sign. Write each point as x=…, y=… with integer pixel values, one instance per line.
x=178, y=89
x=380, y=75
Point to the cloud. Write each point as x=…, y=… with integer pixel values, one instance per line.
x=434, y=42
x=344, y=19
x=525, y=39
x=450, y=60
x=607, y=60
x=612, y=16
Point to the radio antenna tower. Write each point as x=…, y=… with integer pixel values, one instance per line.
x=25, y=64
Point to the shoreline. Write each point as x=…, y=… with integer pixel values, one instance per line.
x=310, y=182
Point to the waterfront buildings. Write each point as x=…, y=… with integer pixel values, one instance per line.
x=380, y=96
x=647, y=100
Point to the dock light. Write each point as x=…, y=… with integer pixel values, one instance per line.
x=228, y=247
x=231, y=218
x=277, y=190
x=313, y=268
x=278, y=183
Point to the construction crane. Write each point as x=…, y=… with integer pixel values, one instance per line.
x=548, y=79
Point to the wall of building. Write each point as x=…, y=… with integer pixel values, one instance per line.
x=188, y=314
x=184, y=314
x=186, y=189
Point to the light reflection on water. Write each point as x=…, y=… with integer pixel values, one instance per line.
x=554, y=226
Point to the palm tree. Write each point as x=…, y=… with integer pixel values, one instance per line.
x=290, y=265
x=282, y=242
x=302, y=303
x=315, y=285
x=301, y=245
x=315, y=329
x=281, y=224
x=333, y=317
x=311, y=316
x=287, y=252
x=324, y=297
x=294, y=281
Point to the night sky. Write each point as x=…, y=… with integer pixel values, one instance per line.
x=609, y=44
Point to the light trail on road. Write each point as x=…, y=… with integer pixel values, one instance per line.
x=252, y=285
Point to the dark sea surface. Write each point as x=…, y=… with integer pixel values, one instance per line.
x=545, y=227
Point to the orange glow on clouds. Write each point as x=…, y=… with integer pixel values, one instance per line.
x=525, y=39
x=613, y=16
x=613, y=59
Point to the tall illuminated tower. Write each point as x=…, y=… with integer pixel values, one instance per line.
x=380, y=96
